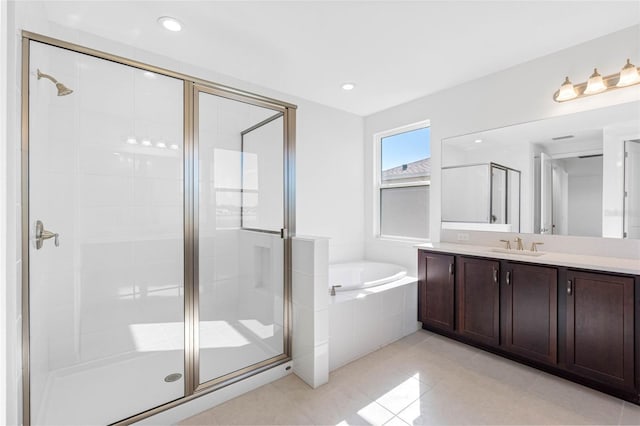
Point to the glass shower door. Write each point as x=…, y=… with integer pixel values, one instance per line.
x=241, y=258
x=105, y=239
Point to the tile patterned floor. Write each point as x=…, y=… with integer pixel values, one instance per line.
x=425, y=379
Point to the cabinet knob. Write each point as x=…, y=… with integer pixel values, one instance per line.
x=569, y=287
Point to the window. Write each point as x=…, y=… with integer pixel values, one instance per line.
x=403, y=182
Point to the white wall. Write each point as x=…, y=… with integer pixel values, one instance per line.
x=519, y=94
x=585, y=205
x=329, y=179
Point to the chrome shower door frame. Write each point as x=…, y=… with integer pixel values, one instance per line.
x=192, y=86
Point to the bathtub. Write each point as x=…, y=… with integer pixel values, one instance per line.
x=363, y=274
x=376, y=305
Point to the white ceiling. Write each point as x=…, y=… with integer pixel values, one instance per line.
x=394, y=51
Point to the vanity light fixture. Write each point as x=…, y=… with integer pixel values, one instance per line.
x=348, y=86
x=169, y=23
x=478, y=141
x=628, y=76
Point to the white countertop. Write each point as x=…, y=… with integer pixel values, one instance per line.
x=596, y=263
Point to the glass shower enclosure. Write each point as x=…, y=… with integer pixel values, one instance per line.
x=156, y=235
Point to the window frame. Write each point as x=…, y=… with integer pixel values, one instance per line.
x=378, y=186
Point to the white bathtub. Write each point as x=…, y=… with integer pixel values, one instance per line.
x=363, y=274
x=377, y=305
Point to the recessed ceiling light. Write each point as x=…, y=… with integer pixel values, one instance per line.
x=171, y=24
x=478, y=141
x=348, y=86
x=149, y=74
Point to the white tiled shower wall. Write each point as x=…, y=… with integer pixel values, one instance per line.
x=4, y=383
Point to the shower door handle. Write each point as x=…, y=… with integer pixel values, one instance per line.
x=42, y=234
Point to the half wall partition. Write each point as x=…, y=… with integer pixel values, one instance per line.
x=156, y=222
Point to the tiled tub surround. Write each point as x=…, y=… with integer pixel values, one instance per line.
x=330, y=331
x=571, y=315
x=310, y=340
x=364, y=320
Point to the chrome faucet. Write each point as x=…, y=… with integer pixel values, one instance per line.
x=519, y=245
x=332, y=292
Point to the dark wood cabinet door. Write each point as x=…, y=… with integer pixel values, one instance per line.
x=436, y=298
x=478, y=292
x=531, y=311
x=600, y=327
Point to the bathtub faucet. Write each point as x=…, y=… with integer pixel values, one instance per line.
x=332, y=292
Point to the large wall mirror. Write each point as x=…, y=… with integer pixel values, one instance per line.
x=576, y=174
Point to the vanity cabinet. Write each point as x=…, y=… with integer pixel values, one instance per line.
x=600, y=327
x=530, y=310
x=436, y=290
x=577, y=324
x=478, y=292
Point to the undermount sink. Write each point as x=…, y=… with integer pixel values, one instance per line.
x=518, y=252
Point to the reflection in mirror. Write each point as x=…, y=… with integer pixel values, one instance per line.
x=481, y=196
x=575, y=174
x=632, y=192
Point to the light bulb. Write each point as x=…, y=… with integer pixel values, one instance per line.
x=348, y=86
x=132, y=141
x=146, y=142
x=567, y=91
x=629, y=75
x=595, y=84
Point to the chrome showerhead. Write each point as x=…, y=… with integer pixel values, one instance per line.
x=62, y=89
